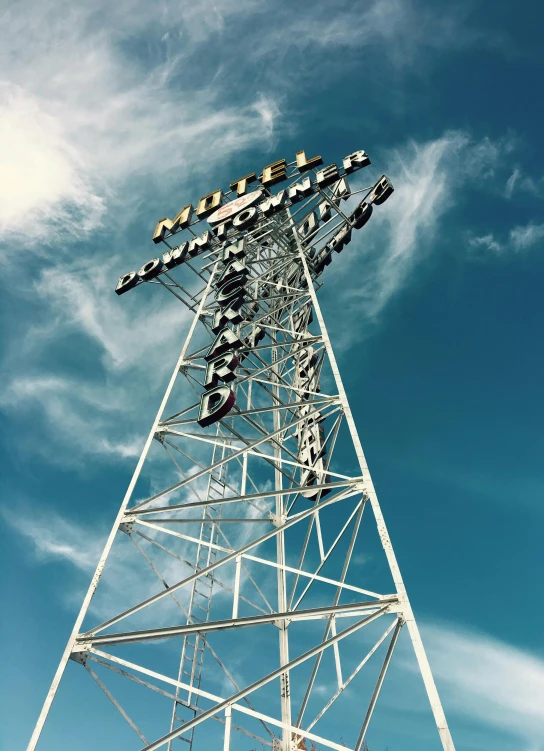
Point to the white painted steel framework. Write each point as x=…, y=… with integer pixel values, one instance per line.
x=255, y=610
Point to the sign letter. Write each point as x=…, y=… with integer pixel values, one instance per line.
x=221, y=368
x=166, y=225
x=126, y=282
x=304, y=164
x=241, y=184
x=274, y=173
x=225, y=339
x=356, y=161
x=214, y=405
x=208, y=203
x=381, y=191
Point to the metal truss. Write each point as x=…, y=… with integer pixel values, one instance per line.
x=259, y=627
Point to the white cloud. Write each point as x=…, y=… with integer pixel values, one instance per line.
x=54, y=537
x=43, y=178
x=127, y=577
x=403, y=30
x=429, y=178
x=400, y=233
x=489, y=680
x=486, y=158
x=105, y=92
x=128, y=334
x=524, y=237
x=519, y=239
x=486, y=243
x=518, y=183
x=103, y=107
x=511, y=183
x=97, y=413
x=80, y=417
x=81, y=112
x=424, y=178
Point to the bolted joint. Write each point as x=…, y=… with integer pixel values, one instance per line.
x=126, y=526
x=80, y=652
x=160, y=435
x=284, y=678
x=282, y=623
x=278, y=521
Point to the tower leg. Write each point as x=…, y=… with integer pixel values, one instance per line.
x=109, y=543
x=407, y=613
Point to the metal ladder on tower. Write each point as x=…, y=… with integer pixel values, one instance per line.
x=194, y=645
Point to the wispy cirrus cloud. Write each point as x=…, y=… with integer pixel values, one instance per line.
x=92, y=98
x=524, y=237
x=79, y=418
x=491, y=690
x=53, y=538
x=488, y=243
x=403, y=30
x=518, y=240
x=90, y=413
x=98, y=95
x=44, y=178
x=81, y=299
x=489, y=680
x=521, y=183
x=428, y=178
x=425, y=176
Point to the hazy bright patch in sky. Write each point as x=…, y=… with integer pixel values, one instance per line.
x=113, y=115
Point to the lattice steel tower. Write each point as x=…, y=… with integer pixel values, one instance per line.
x=253, y=616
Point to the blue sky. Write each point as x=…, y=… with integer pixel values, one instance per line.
x=115, y=114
